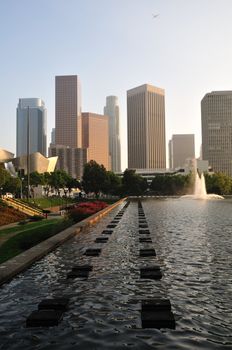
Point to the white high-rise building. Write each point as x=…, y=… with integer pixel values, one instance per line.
x=112, y=110
x=32, y=122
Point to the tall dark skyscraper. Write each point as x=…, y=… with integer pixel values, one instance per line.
x=68, y=111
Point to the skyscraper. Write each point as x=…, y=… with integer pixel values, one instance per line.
x=112, y=110
x=31, y=120
x=95, y=137
x=68, y=111
x=146, y=127
x=216, y=122
x=53, y=136
x=181, y=147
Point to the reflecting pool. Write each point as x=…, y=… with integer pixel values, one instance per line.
x=193, y=242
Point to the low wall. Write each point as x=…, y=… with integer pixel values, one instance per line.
x=14, y=266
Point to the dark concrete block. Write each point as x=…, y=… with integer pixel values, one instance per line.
x=158, y=319
x=115, y=222
x=147, y=232
x=107, y=232
x=143, y=226
x=141, y=222
x=156, y=313
x=93, y=252
x=83, y=267
x=44, y=318
x=78, y=274
x=111, y=226
x=147, y=252
x=145, y=240
x=60, y=304
x=101, y=239
x=153, y=273
x=156, y=304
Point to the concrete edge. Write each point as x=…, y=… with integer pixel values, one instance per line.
x=21, y=262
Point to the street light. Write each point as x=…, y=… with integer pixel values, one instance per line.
x=21, y=194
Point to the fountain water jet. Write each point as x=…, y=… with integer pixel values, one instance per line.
x=200, y=189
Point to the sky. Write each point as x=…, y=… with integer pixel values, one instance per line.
x=113, y=46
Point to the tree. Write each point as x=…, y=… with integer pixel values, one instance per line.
x=218, y=183
x=59, y=179
x=133, y=184
x=94, y=177
x=170, y=185
x=72, y=183
x=112, y=184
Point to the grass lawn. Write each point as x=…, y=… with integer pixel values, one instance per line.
x=50, y=201
x=26, y=227
x=30, y=235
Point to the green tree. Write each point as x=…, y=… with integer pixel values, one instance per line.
x=94, y=178
x=170, y=185
x=218, y=183
x=72, y=183
x=58, y=179
x=112, y=184
x=132, y=183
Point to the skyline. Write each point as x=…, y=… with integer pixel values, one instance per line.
x=113, y=48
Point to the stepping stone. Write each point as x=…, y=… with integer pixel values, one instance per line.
x=147, y=252
x=80, y=271
x=78, y=274
x=107, y=232
x=141, y=222
x=101, y=239
x=157, y=314
x=147, y=232
x=83, y=267
x=115, y=222
x=152, y=272
x=143, y=226
x=93, y=252
x=111, y=226
x=145, y=240
x=60, y=304
x=44, y=318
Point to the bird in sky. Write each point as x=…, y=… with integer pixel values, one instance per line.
x=154, y=16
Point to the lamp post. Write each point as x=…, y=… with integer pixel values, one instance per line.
x=28, y=153
x=21, y=192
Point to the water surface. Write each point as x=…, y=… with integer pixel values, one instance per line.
x=193, y=244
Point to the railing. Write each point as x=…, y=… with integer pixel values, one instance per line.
x=22, y=207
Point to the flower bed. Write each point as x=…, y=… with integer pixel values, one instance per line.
x=83, y=210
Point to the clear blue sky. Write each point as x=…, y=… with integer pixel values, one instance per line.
x=114, y=45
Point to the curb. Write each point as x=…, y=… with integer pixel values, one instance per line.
x=21, y=262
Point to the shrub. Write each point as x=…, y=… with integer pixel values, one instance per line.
x=36, y=218
x=83, y=210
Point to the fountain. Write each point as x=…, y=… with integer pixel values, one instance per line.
x=200, y=189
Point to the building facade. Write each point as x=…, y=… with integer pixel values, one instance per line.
x=71, y=160
x=112, y=111
x=68, y=111
x=95, y=138
x=216, y=122
x=31, y=134
x=181, y=148
x=146, y=127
